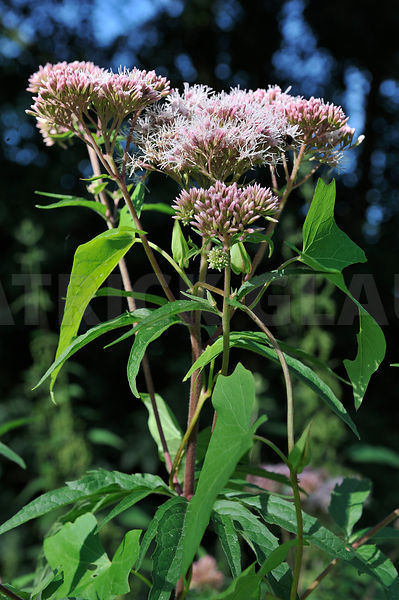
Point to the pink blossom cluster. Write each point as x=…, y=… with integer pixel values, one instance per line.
x=70, y=96
x=224, y=210
x=206, y=574
x=202, y=136
x=315, y=482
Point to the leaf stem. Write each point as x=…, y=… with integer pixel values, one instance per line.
x=286, y=373
x=142, y=578
x=299, y=536
x=273, y=446
x=365, y=538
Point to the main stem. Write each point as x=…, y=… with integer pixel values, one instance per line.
x=226, y=318
x=195, y=390
x=299, y=535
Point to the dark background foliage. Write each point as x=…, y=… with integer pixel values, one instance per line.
x=345, y=52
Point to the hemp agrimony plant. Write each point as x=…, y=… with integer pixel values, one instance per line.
x=133, y=124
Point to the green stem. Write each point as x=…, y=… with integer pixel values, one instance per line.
x=170, y=260
x=286, y=373
x=264, y=288
x=142, y=578
x=226, y=318
x=299, y=545
x=273, y=446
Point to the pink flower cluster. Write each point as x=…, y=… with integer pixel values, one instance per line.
x=224, y=210
x=70, y=96
x=202, y=136
x=206, y=574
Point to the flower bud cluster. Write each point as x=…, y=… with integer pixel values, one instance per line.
x=225, y=210
x=72, y=95
x=218, y=258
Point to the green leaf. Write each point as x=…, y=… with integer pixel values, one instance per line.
x=233, y=399
x=169, y=310
x=94, y=483
x=126, y=503
x=97, y=207
x=125, y=320
x=245, y=587
x=370, y=346
x=277, y=511
x=88, y=573
x=256, y=342
x=11, y=455
x=326, y=247
x=347, y=500
x=152, y=530
x=260, y=540
x=276, y=557
x=92, y=264
x=324, y=244
x=299, y=456
x=172, y=431
x=179, y=246
x=143, y=339
x=366, y=453
x=109, y=291
x=168, y=555
x=95, y=177
x=137, y=197
x=382, y=569
x=260, y=280
x=228, y=538
x=10, y=425
x=240, y=260
x=159, y=207
x=98, y=435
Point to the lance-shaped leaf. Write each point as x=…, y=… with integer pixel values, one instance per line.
x=92, y=264
x=347, y=501
x=179, y=245
x=153, y=298
x=92, y=487
x=228, y=538
x=82, y=340
x=73, y=201
x=245, y=587
x=233, y=399
x=11, y=455
x=327, y=248
x=171, y=428
x=256, y=342
x=299, y=456
x=278, y=511
x=168, y=555
x=88, y=573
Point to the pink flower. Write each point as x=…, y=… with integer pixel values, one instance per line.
x=206, y=574
x=225, y=210
x=75, y=96
x=202, y=136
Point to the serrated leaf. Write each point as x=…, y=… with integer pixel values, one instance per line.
x=382, y=569
x=172, y=431
x=277, y=511
x=92, y=264
x=245, y=587
x=126, y=503
x=125, y=320
x=256, y=342
x=347, y=500
x=143, y=339
x=324, y=244
x=228, y=538
x=168, y=555
x=170, y=309
x=299, y=456
x=93, y=483
x=88, y=573
x=259, y=538
x=233, y=399
x=11, y=455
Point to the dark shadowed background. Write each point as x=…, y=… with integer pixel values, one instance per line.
x=346, y=52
